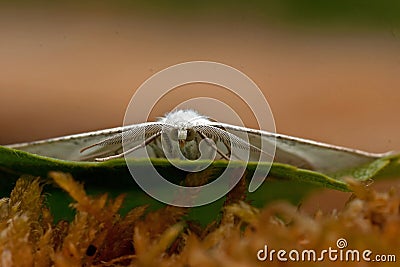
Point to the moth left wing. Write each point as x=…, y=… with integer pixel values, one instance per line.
x=303, y=153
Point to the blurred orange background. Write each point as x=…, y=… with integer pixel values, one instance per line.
x=67, y=69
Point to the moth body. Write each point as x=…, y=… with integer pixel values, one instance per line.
x=181, y=135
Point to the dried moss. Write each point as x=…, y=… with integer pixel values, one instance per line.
x=99, y=236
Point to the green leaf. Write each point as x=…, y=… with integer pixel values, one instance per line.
x=284, y=181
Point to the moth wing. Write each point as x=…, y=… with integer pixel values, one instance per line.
x=68, y=147
x=303, y=153
x=100, y=143
x=299, y=152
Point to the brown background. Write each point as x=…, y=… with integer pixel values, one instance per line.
x=64, y=72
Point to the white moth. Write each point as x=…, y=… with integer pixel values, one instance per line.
x=187, y=128
x=181, y=131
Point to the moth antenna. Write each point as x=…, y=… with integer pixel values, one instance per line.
x=212, y=119
x=145, y=143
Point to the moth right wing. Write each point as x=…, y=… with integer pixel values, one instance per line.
x=88, y=146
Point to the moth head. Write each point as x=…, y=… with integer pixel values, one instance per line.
x=182, y=135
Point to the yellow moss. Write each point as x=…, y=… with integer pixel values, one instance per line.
x=99, y=236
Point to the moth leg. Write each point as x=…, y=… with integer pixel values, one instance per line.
x=86, y=148
x=145, y=143
x=167, y=143
x=221, y=134
x=228, y=147
x=214, y=146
